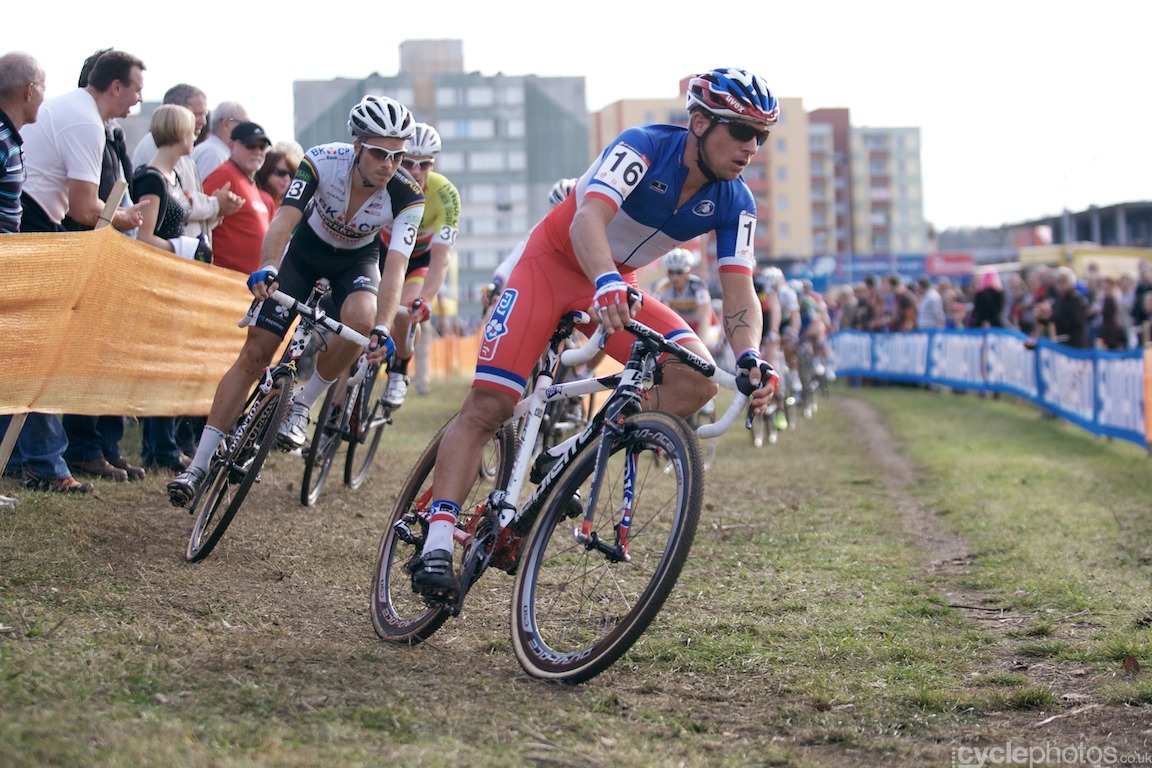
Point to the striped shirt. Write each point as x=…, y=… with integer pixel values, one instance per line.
x=12, y=176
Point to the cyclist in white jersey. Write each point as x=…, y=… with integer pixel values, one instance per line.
x=689, y=296
x=328, y=226
x=686, y=293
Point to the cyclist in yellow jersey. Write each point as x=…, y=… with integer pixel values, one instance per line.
x=428, y=264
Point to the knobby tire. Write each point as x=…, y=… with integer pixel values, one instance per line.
x=325, y=443
x=229, y=479
x=574, y=610
x=369, y=417
x=398, y=614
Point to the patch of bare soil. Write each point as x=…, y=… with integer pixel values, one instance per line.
x=1082, y=718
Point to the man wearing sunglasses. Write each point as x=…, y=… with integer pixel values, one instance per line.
x=652, y=189
x=328, y=226
x=237, y=239
x=428, y=264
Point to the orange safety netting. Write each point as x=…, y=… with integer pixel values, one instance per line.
x=99, y=323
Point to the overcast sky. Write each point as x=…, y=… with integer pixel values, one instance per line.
x=1024, y=107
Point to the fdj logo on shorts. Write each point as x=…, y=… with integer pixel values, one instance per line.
x=497, y=325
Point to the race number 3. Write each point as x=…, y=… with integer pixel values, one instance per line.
x=622, y=169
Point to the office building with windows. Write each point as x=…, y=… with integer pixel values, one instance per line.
x=507, y=139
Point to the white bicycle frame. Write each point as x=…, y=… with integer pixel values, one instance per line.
x=531, y=410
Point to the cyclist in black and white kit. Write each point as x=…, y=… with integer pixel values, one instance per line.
x=328, y=226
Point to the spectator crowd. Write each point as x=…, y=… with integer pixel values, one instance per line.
x=1093, y=310
x=201, y=185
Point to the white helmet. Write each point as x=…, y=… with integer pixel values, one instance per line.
x=773, y=276
x=679, y=260
x=560, y=191
x=380, y=116
x=425, y=141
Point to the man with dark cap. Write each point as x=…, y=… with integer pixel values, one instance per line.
x=236, y=241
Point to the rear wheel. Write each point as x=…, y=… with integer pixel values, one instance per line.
x=578, y=605
x=369, y=416
x=325, y=443
x=231, y=475
x=399, y=614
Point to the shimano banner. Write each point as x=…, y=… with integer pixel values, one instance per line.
x=1103, y=392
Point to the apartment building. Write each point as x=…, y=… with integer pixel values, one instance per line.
x=507, y=139
x=886, y=192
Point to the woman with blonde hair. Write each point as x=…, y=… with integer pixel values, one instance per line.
x=165, y=215
x=174, y=129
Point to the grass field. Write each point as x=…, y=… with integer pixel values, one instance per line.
x=904, y=580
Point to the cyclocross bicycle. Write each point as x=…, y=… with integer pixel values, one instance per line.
x=353, y=412
x=597, y=545
x=235, y=467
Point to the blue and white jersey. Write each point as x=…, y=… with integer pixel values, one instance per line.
x=641, y=175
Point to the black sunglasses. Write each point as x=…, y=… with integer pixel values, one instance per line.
x=281, y=172
x=742, y=131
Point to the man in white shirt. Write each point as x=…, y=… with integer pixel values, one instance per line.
x=210, y=153
x=930, y=309
x=64, y=148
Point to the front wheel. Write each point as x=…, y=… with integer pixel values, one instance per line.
x=578, y=606
x=233, y=471
x=399, y=614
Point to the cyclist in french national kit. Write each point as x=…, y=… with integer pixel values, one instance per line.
x=654, y=188
x=342, y=196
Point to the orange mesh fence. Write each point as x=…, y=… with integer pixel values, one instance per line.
x=99, y=323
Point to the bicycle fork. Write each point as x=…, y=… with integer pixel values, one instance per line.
x=617, y=551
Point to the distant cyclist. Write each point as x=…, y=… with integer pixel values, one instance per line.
x=428, y=264
x=328, y=226
x=685, y=292
x=652, y=189
x=815, y=322
x=790, y=322
x=688, y=295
